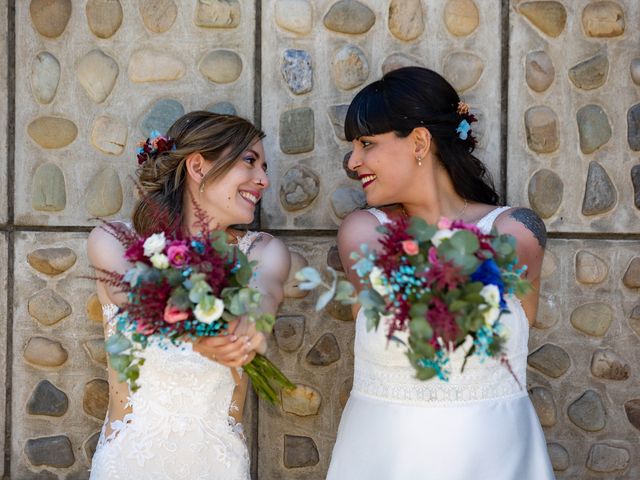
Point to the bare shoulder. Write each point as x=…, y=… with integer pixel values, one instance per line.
x=359, y=226
x=272, y=254
x=524, y=224
x=105, y=251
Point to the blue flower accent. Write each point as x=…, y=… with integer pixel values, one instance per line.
x=154, y=134
x=198, y=247
x=488, y=273
x=463, y=130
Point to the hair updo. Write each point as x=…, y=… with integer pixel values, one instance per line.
x=161, y=175
x=413, y=97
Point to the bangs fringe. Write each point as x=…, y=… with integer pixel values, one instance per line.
x=368, y=113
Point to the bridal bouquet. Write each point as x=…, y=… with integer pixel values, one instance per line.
x=444, y=284
x=181, y=288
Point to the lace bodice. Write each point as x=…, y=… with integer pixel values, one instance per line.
x=382, y=369
x=179, y=426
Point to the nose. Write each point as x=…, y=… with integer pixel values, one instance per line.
x=262, y=180
x=355, y=159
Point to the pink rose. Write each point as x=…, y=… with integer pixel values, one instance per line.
x=173, y=314
x=410, y=247
x=444, y=223
x=178, y=254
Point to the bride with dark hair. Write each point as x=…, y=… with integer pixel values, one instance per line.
x=413, y=152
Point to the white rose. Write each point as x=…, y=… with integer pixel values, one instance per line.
x=377, y=279
x=211, y=315
x=160, y=261
x=490, y=315
x=491, y=295
x=154, y=244
x=441, y=235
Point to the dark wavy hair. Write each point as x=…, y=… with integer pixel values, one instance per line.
x=161, y=177
x=412, y=97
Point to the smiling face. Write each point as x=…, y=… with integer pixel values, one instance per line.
x=232, y=198
x=386, y=165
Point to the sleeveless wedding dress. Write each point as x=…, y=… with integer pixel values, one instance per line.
x=179, y=426
x=478, y=425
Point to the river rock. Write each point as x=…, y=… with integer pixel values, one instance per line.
x=221, y=66
x=217, y=13
x=294, y=15
x=600, y=194
x=461, y=17
x=549, y=16
x=104, y=196
x=52, y=132
x=158, y=15
x=154, y=66
x=463, y=70
x=603, y=19
x=591, y=73
x=45, y=77
x=52, y=261
x=297, y=71
x=109, y=135
x=48, y=191
x=349, y=16
x=545, y=192
x=406, y=19
x=541, y=125
x=104, y=17
x=97, y=73
x=539, y=71
x=50, y=17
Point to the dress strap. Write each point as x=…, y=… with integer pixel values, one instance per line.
x=379, y=214
x=485, y=224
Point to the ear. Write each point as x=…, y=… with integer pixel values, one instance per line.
x=196, y=167
x=422, y=141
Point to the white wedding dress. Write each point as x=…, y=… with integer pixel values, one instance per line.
x=179, y=426
x=478, y=425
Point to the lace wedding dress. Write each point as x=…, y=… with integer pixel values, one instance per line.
x=179, y=426
x=478, y=425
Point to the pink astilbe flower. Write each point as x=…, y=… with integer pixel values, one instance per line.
x=443, y=323
x=443, y=274
x=135, y=252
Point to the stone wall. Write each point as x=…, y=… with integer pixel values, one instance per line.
x=92, y=77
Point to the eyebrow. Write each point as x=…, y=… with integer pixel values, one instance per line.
x=254, y=152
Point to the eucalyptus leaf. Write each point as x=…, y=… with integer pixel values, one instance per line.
x=117, y=343
x=425, y=373
x=373, y=318
x=421, y=230
x=421, y=329
x=265, y=322
x=371, y=299
x=324, y=299
x=120, y=362
x=308, y=274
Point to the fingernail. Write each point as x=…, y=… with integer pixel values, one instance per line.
x=245, y=357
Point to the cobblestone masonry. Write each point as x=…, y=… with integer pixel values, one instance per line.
x=93, y=76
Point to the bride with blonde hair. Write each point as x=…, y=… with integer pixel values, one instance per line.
x=184, y=420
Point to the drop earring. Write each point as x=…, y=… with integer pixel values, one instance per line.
x=419, y=157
